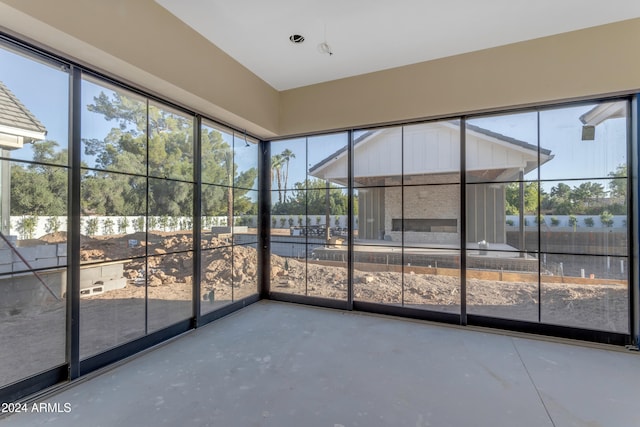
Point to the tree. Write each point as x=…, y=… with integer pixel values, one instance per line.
x=513, y=202
x=160, y=141
x=287, y=155
x=618, y=185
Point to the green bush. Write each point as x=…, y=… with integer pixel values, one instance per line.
x=27, y=227
x=52, y=224
x=588, y=222
x=555, y=221
x=606, y=218
x=91, y=227
x=123, y=224
x=107, y=226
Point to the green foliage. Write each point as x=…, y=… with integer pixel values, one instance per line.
x=40, y=189
x=510, y=222
x=606, y=219
x=273, y=222
x=589, y=222
x=300, y=220
x=123, y=224
x=107, y=226
x=52, y=224
x=91, y=226
x=290, y=220
x=138, y=224
x=152, y=221
x=540, y=220
x=513, y=202
x=573, y=221
x=283, y=221
x=555, y=221
x=27, y=227
x=163, y=222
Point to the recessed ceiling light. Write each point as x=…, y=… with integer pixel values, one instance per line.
x=296, y=38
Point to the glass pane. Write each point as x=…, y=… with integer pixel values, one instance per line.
x=33, y=206
x=502, y=285
x=33, y=328
x=586, y=292
x=377, y=158
x=169, y=289
x=288, y=268
x=36, y=98
x=245, y=271
x=114, y=129
x=495, y=213
x=217, y=155
x=245, y=216
x=431, y=153
x=586, y=141
x=170, y=143
x=288, y=165
x=216, y=279
x=374, y=220
x=112, y=305
x=429, y=216
x=328, y=161
x=432, y=279
x=216, y=215
x=581, y=218
x=170, y=220
x=327, y=272
x=377, y=274
x=331, y=205
x=285, y=217
x=113, y=216
x=500, y=148
x=245, y=157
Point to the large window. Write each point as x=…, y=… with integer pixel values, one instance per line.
x=34, y=170
x=229, y=217
x=309, y=227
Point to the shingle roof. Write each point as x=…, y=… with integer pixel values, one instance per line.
x=15, y=115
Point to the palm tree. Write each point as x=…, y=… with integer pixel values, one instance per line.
x=286, y=156
x=276, y=166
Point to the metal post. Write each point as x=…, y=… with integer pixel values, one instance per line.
x=197, y=219
x=463, y=221
x=73, y=246
x=264, y=219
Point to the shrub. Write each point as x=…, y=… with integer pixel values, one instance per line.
x=318, y=219
x=138, y=224
x=606, y=218
x=510, y=223
x=588, y=222
x=540, y=220
x=283, y=221
x=555, y=221
x=27, y=227
x=573, y=221
x=91, y=227
x=290, y=222
x=107, y=226
x=274, y=221
x=300, y=220
x=52, y=224
x=123, y=224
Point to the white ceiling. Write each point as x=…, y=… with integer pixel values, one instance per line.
x=372, y=35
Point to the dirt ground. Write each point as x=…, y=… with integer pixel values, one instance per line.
x=34, y=337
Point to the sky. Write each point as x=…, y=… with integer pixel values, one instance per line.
x=44, y=91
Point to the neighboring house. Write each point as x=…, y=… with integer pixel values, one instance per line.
x=18, y=126
x=431, y=156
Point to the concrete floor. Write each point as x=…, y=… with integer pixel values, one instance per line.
x=277, y=364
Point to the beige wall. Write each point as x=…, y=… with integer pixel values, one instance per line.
x=600, y=60
x=140, y=42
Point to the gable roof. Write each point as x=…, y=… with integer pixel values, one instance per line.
x=546, y=153
x=16, y=119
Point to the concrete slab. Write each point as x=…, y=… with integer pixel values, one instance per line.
x=277, y=364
